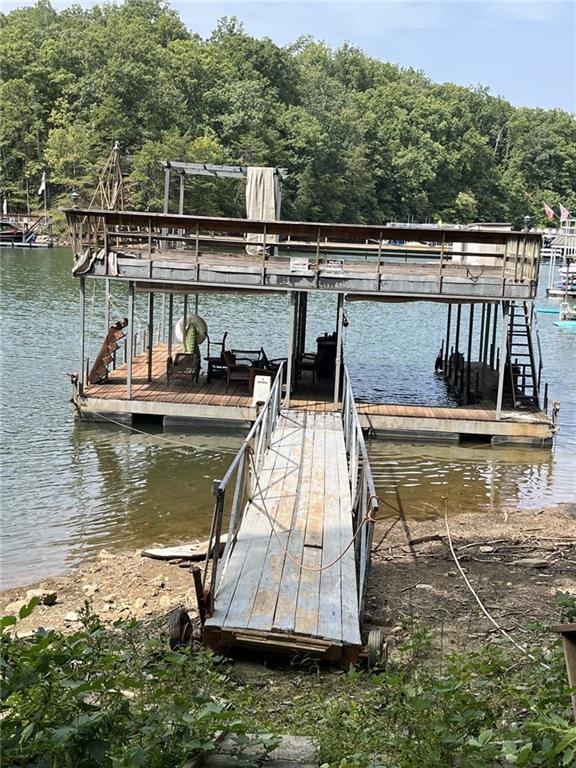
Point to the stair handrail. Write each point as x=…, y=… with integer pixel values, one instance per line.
x=362, y=487
x=249, y=458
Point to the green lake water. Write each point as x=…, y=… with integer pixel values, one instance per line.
x=69, y=489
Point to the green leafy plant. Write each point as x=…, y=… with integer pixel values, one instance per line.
x=108, y=696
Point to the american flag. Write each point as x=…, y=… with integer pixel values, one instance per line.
x=564, y=213
x=548, y=211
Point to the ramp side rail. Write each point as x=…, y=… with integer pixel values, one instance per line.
x=247, y=461
x=363, y=490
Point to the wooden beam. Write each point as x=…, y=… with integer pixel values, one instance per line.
x=290, y=362
x=82, y=333
x=338, y=367
x=212, y=170
x=170, y=322
x=150, y=333
x=310, y=230
x=130, y=340
x=502, y=362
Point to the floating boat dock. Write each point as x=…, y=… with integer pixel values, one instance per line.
x=487, y=279
x=298, y=501
x=210, y=403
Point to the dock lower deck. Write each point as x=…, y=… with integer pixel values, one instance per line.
x=212, y=403
x=290, y=580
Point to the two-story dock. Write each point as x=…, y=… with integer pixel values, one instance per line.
x=486, y=278
x=299, y=501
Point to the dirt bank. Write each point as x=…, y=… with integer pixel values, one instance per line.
x=516, y=560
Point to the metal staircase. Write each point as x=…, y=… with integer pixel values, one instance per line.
x=523, y=370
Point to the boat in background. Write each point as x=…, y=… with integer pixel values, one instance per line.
x=567, y=316
x=24, y=232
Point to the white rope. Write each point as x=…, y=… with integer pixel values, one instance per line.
x=484, y=610
x=367, y=519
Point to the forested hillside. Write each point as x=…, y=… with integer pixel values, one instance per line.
x=363, y=140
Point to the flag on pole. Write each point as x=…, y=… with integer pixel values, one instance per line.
x=42, y=186
x=564, y=213
x=5, y=207
x=548, y=211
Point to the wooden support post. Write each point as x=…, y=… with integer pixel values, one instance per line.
x=484, y=356
x=447, y=351
x=181, y=206
x=130, y=345
x=167, y=172
x=441, y=264
x=339, y=329
x=469, y=364
x=82, y=334
x=181, y=196
x=303, y=319
x=277, y=204
x=107, y=302
x=150, y=333
x=481, y=340
x=170, y=322
x=457, y=345
x=502, y=360
x=290, y=361
x=493, y=342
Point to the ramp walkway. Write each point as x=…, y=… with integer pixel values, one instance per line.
x=295, y=563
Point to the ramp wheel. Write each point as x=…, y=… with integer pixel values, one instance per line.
x=179, y=628
x=377, y=648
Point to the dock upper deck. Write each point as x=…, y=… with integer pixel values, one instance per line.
x=198, y=253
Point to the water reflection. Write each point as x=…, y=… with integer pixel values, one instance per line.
x=416, y=479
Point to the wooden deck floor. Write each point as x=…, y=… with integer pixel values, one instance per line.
x=309, y=395
x=184, y=400
x=306, y=493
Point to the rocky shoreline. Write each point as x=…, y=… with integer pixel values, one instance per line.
x=517, y=560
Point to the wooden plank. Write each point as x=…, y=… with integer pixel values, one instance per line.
x=266, y=597
x=236, y=597
x=350, y=612
x=309, y=593
x=315, y=515
x=331, y=580
x=285, y=615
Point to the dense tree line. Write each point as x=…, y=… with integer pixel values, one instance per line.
x=363, y=140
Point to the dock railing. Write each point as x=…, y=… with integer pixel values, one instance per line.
x=152, y=247
x=363, y=490
x=241, y=475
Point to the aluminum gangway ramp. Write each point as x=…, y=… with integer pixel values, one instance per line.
x=291, y=576
x=299, y=503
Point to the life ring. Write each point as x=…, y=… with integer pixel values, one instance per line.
x=198, y=322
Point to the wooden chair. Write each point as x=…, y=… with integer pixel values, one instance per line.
x=237, y=369
x=183, y=366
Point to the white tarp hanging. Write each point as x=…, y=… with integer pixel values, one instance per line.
x=260, y=203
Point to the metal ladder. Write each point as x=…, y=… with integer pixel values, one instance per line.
x=521, y=360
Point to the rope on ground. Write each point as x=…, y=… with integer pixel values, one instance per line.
x=484, y=610
x=367, y=519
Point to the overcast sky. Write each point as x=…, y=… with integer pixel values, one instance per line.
x=524, y=51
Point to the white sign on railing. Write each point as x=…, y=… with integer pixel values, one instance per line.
x=334, y=265
x=298, y=265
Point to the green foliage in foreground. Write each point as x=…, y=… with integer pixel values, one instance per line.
x=116, y=697
x=363, y=140
x=107, y=697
